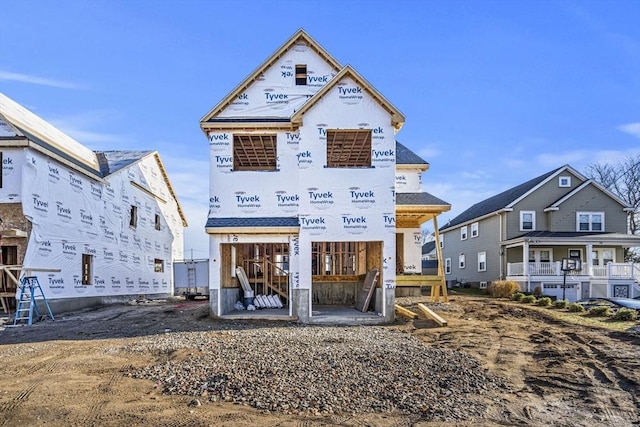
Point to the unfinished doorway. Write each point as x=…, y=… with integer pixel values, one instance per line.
x=339, y=269
x=266, y=266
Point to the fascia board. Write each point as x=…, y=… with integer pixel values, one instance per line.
x=299, y=35
x=397, y=118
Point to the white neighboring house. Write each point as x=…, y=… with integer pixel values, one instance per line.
x=109, y=221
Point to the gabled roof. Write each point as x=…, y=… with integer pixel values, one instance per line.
x=428, y=247
x=48, y=139
x=557, y=203
x=397, y=118
x=299, y=36
x=405, y=156
x=115, y=160
x=503, y=200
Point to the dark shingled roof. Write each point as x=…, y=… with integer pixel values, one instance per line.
x=428, y=247
x=418, y=199
x=113, y=161
x=499, y=201
x=252, y=222
x=404, y=156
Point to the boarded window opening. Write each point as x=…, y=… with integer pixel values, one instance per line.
x=254, y=152
x=301, y=74
x=87, y=269
x=349, y=148
x=157, y=222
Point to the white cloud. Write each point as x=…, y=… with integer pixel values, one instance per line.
x=428, y=153
x=43, y=81
x=77, y=126
x=632, y=129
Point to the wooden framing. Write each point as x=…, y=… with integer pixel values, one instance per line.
x=254, y=152
x=348, y=148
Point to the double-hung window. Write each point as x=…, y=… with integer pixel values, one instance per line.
x=590, y=221
x=527, y=220
x=463, y=233
x=482, y=261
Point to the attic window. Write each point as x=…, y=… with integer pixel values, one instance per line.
x=564, y=181
x=349, y=148
x=301, y=74
x=254, y=152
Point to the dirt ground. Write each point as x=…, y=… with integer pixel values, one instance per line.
x=561, y=374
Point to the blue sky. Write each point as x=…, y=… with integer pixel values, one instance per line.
x=494, y=92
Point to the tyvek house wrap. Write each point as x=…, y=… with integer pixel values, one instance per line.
x=74, y=215
x=333, y=204
x=274, y=93
x=12, y=160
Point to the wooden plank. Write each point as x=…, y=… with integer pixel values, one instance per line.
x=405, y=312
x=364, y=297
x=430, y=313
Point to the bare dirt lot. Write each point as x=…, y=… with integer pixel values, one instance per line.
x=557, y=373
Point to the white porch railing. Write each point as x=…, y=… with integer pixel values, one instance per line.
x=610, y=271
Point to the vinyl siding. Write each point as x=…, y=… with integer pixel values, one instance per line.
x=537, y=201
x=589, y=199
x=488, y=241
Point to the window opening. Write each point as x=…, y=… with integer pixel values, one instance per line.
x=87, y=269
x=254, y=152
x=349, y=148
x=301, y=74
x=133, y=216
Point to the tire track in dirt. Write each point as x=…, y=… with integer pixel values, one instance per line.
x=8, y=408
x=28, y=371
x=99, y=400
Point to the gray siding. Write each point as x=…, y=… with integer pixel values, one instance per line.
x=589, y=199
x=488, y=240
x=537, y=201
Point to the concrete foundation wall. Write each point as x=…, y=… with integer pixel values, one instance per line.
x=300, y=304
x=229, y=297
x=65, y=305
x=213, y=302
x=408, y=291
x=389, y=301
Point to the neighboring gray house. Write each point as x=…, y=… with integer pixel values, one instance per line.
x=524, y=233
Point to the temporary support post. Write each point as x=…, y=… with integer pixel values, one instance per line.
x=441, y=287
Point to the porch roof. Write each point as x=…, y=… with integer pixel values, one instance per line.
x=576, y=237
x=252, y=225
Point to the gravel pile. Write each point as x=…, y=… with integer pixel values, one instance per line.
x=321, y=370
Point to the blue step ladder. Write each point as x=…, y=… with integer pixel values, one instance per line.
x=27, y=305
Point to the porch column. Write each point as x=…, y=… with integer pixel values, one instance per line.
x=525, y=258
x=590, y=259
